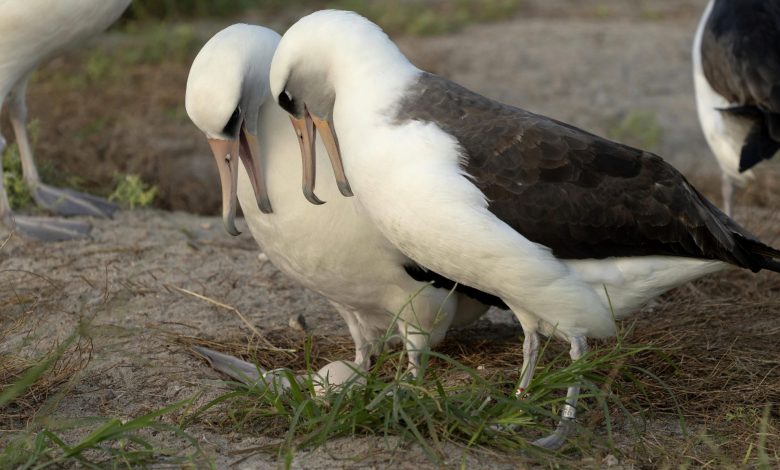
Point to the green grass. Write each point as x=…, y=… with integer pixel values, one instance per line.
x=448, y=402
x=110, y=443
x=107, y=443
x=163, y=9
x=19, y=195
x=408, y=17
x=639, y=129
x=131, y=192
x=433, y=17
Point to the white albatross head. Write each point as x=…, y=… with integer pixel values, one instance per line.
x=317, y=59
x=227, y=85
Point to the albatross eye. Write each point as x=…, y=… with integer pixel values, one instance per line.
x=287, y=102
x=231, y=128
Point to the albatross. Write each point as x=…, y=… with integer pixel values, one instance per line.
x=334, y=250
x=736, y=71
x=31, y=32
x=571, y=231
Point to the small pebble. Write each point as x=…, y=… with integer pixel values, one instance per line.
x=262, y=257
x=297, y=323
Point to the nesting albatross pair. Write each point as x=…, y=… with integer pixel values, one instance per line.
x=568, y=229
x=335, y=249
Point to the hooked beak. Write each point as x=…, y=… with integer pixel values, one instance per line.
x=306, y=129
x=227, y=154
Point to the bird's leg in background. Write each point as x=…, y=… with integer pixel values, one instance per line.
x=579, y=346
x=530, y=357
x=5, y=207
x=17, y=112
x=727, y=188
x=59, y=201
x=36, y=227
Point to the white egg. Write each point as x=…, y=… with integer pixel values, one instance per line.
x=335, y=375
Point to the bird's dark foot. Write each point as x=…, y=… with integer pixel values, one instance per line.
x=558, y=437
x=246, y=372
x=231, y=366
x=68, y=202
x=50, y=229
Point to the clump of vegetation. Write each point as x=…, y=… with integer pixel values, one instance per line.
x=110, y=443
x=159, y=9
x=161, y=42
x=638, y=129
x=132, y=192
x=448, y=402
x=409, y=17
x=431, y=17
x=19, y=194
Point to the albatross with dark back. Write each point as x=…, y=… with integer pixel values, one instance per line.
x=581, y=195
x=737, y=77
x=567, y=229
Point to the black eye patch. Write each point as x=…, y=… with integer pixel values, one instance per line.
x=287, y=103
x=231, y=128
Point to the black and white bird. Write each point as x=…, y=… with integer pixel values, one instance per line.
x=334, y=250
x=736, y=71
x=31, y=32
x=568, y=229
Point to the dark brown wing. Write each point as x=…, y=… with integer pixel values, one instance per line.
x=576, y=193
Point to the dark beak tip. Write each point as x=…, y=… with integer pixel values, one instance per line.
x=312, y=198
x=230, y=228
x=345, y=189
x=265, y=207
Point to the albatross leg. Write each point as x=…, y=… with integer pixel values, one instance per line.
x=60, y=201
x=40, y=228
x=727, y=189
x=365, y=346
x=579, y=347
x=530, y=358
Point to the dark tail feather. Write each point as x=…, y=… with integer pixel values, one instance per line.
x=773, y=122
x=759, y=146
x=771, y=265
x=765, y=256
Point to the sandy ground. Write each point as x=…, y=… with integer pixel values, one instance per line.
x=591, y=67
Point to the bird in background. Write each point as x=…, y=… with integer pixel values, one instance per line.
x=334, y=249
x=736, y=72
x=32, y=32
x=570, y=230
